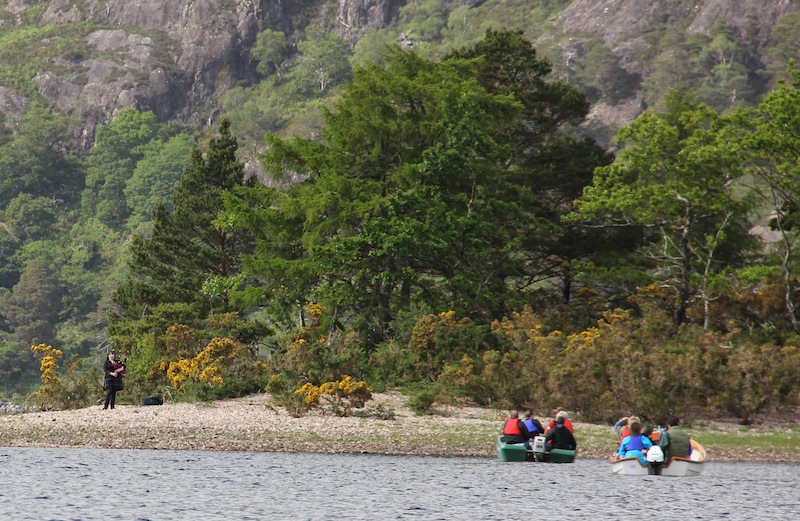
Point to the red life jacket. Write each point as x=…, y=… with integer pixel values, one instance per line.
x=625, y=433
x=512, y=427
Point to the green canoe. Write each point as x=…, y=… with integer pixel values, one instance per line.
x=518, y=452
x=561, y=456
x=510, y=452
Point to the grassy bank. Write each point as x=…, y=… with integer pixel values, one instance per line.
x=255, y=423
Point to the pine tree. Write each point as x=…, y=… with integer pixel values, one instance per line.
x=186, y=248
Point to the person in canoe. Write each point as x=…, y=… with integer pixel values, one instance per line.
x=652, y=433
x=533, y=425
x=620, y=426
x=560, y=436
x=635, y=444
x=567, y=423
x=514, y=430
x=675, y=442
x=626, y=429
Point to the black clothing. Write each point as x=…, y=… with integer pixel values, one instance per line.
x=111, y=383
x=560, y=438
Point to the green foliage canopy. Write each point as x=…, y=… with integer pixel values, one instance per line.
x=679, y=174
x=118, y=147
x=185, y=247
x=422, y=187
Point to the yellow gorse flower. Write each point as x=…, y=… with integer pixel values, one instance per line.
x=209, y=366
x=315, y=311
x=341, y=395
x=49, y=365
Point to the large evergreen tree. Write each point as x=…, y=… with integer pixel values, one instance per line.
x=551, y=164
x=402, y=198
x=418, y=190
x=186, y=250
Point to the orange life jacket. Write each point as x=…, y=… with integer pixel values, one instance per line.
x=512, y=427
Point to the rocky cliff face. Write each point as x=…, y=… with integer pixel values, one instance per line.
x=615, y=19
x=624, y=25
x=177, y=57
x=355, y=16
x=170, y=56
x=620, y=21
x=174, y=57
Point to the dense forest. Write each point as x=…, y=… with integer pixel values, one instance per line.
x=443, y=215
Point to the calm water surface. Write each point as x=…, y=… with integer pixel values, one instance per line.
x=97, y=484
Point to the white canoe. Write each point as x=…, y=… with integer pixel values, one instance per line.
x=679, y=467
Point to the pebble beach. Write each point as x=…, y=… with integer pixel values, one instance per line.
x=254, y=423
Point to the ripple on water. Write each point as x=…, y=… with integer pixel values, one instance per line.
x=101, y=484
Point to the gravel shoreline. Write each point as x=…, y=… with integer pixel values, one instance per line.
x=253, y=423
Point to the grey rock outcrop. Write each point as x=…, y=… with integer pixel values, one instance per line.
x=174, y=57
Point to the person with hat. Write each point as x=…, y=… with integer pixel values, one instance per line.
x=560, y=436
x=552, y=424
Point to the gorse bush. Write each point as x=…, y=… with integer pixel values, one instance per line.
x=627, y=364
x=223, y=368
x=339, y=397
x=630, y=361
x=72, y=389
x=437, y=340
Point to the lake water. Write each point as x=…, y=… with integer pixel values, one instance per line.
x=102, y=484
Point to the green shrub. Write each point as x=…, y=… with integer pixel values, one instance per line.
x=441, y=339
x=422, y=400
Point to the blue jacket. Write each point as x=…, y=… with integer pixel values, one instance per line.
x=630, y=446
x=534, y=427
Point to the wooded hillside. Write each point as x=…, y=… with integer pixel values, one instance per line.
x=246, y=195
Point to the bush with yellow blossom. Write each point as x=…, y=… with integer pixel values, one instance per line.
x=72, y=390
x=223, y=362
x=340, y=397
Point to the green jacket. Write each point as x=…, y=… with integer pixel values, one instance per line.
x=675, y=442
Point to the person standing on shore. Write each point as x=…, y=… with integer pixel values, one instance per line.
x=113, y=379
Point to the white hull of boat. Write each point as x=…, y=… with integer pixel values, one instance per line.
x=676, y=467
